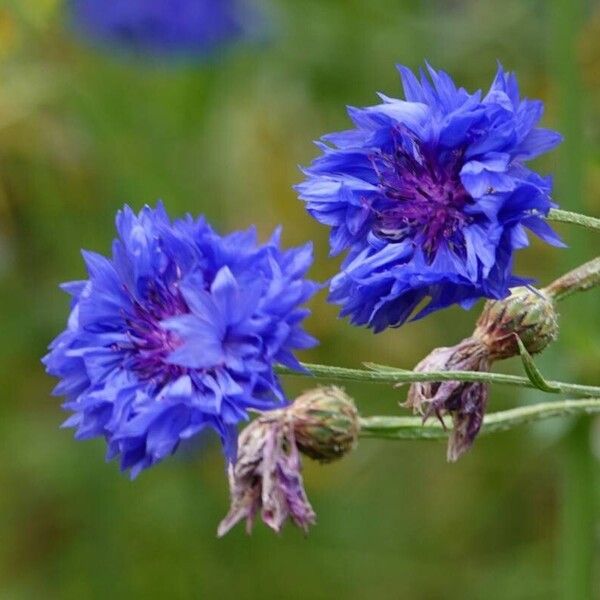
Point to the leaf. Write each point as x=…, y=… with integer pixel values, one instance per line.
x=532, y=371
x=384, y=368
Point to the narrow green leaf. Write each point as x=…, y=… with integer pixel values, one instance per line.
x=383, y=368
x=534, y=374
x=331, y=372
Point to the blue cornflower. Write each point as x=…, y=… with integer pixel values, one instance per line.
x=164, y=26
x=177, y=332
x=430, y=196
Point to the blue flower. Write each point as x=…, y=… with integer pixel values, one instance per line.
x=177, y=332
x=164, y=27
x=430, y=197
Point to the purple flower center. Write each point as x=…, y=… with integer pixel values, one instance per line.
x=149, y=344
x=422, y=195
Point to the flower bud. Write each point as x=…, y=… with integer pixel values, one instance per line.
x=326, y=423
x=528, y=313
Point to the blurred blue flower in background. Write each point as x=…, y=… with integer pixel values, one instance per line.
x=165, y=27
x=431, y=197
x=178, y=332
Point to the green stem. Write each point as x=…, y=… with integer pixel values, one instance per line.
x=413, y=428
x=390, y=375
x=565, y=216
x=576, y=539
x=578, y=513
x=582, y=278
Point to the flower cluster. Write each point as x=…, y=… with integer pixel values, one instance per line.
x=181, y=329
x=177, y=332
x=430, y=196
x=163, y=26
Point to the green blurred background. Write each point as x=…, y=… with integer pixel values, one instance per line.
x=83, y=132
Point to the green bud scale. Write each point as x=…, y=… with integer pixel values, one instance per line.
x=531, y=314
x=326, y=423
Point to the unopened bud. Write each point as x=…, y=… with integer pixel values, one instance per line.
x=530, y=314
x=326, y=423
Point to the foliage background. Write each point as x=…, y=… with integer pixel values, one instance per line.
x=84, y=131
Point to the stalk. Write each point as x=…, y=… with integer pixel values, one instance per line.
x=390, y=375
x=413, y=428
x=573, y=218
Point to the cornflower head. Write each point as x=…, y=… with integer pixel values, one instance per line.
x=430, y=197
x=164, y=27
x=178, y=332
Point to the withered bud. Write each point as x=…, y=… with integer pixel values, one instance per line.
x=530, y=314
x=322, y=423
x=267, y=477
x=465, y=401
x=326, y=423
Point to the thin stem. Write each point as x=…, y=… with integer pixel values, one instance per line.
x=413, y=428
x=576, y=539
x=390, y=375
x=579, y=514
x=582, y=278
x=565, y=216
